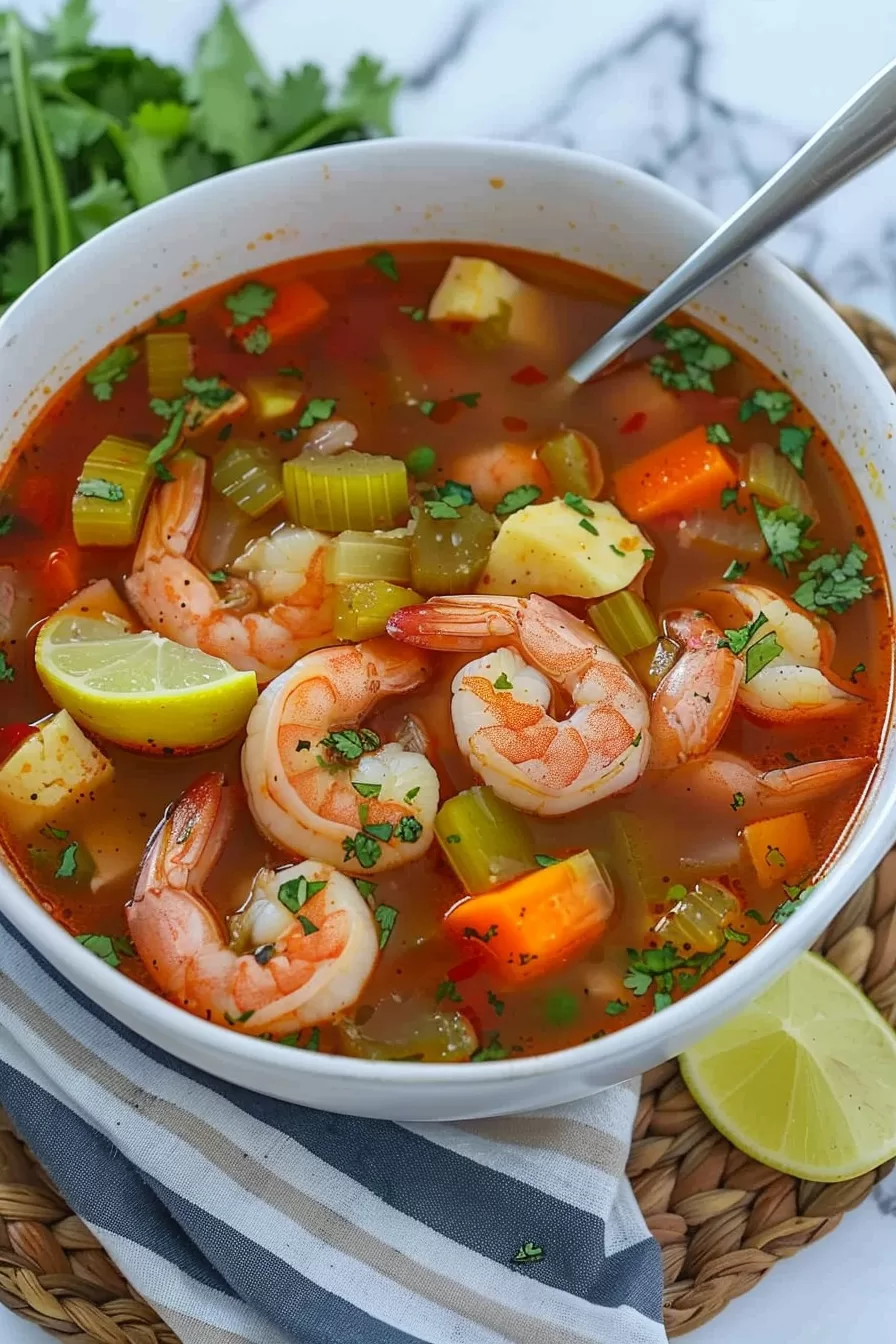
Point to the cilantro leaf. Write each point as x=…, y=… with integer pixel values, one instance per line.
x=6, y=523
x=111, y=370
x=737, y=640
x=578, y=504
x=760, y=654
x=737, y=801
x=518, y=498
x=639, y=982
x=95, y=488
x=470, y=399
x=495, y=1002
x=493, y=1049
x=349, y=744
x=297, y=891
x=109, y=950
x=385, y=916
x=717, y=433
x=68, y=860
x=736, y=570
x=256, y=341
x=777, y=405
x=367, y=790
x=615, y=1007
x=729, y=496
x=364, y=848
x=253, y=300
x=503, y=683
x=209, y=392
x=784, y=532
x=307, y=925
x=796, y=895
x=318, y=409
x=384, y=262
x=408, y=830
x=792, y=442
x=734, y=935
x=7, y=672
x=528, y=1253
x=448, y=990
x=833, y=582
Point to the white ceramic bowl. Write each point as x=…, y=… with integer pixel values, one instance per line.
x=551, y=201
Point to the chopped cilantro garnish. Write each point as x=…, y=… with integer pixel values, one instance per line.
x=426, y=407
x=243, y=1017
x=470, y=399
x=528, y=1253
x=385, y=916
x=729, y=497
x=408, y=830
x=589, y=527
x=700, y=357
x=777, y=405
x=95, y=488
x=495, y=1002
x=760, y=654
x=737, y=640
x=774, y=858
x=162, y=472
x=6, y=522
x=256, y=341
x=307, y=925
x=755, y=915
x=412, y=794
x=218, y=575
x=209, y=392
x=516, y=499
x=113, y=369
x=854, y=674
x=68, y=861
x=661, y=1000
x=615, y=1007
x=792, y=443
x=491, y=932
x=795, y=897
x=493, y=1049
x=545, y=860
x=351, y=743
x=367, y=790
x=503, y=683
x=176, y=319
x=784, y=532
x=366, y=888
x=363, y=848
x=647, y=553
x=577, y=503
x=717, y=433
x=384, y=262
x=415, y=314
x=54, y=833
x=452, y=839
x=170, y=439
x=736, y=570
x=448, y=990
x=252, y=301
x=380, y=830
x=290, y=371
x=616, y=550
x=295, y=892
x=833, y=582
x=737, y=801
x=7, y=672
x=318, y=409
x=735, y=935
x=446, y=501
x=109, y=950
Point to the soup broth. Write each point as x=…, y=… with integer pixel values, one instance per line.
x=601, y=912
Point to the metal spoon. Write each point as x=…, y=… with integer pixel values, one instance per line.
x=862, y=131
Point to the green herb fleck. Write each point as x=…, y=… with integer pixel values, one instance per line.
x=735, y=935
x=95, y=488
x=729, y=497
x=589, y=527
x=238, y=1021
x=68, y=861
x=448, y=990
x=470, y=399
x=784, y=532
x=296, y=891
x=54, y=833
x=661, y=999
x=6, y=522
x=426, y=407
x=854, y=674
x=384, y=262
x=380, y=830
x=363, y=848
x=415, y=314
x=737, y=640
x=385, y=916
x=256, y=341
x=218, y=575
x=777, y=405
x=717, y=433
x=833, y=582
x=252, y=301
x=109, y=950
x=367, y=889
x=528, y=1253
x=349, y=744
x=290, y=371
x=452, y=839
x=774, y=858
x=755, y=915
x=7, y=671
x=577, y=503
x=412, y=794
x=796, y=895
x=503, y=683
x=493, y=1049
x=111, y=370
x=516, y=499
x=307, y=926
x=736, y=570
x=760, y=654
x=792, y=442
x=495, y=1002
x=318, y=409
x=367, y=790
x=176, y=319
x=615, y=1007
x=408, y=830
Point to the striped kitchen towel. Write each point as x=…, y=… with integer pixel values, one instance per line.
x=241, y=1218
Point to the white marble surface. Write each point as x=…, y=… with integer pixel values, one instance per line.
x=713, y=97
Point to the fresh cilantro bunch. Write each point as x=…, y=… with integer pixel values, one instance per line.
x=90, y=133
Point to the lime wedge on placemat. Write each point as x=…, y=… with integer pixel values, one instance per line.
x=804, y=1079
x=141, y=690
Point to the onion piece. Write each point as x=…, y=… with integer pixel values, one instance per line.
x=329, y=438
x=735, y=532
x=775, y=481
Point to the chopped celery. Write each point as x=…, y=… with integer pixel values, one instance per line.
x=448, y=555
x=361, y=610
x=359, y=491
x=249, y=476
x=484, y=839
x=573, y=464
x=111, y=494
x=409, y=1029
x=355, y=557
x=624, y=622
x=273, y=398
x=627, y=850
x=697, y=920
x=169, y=360
x=652, y=663
x=772, y=479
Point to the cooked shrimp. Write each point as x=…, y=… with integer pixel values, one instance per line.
x=691, y=707
x=500, y=702
x=316, y=785
x=720, y=780
x=492, y=472
x=299, y=971
x=797, y=683
x=280, y=607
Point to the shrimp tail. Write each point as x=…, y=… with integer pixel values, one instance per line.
x=463, y=624
x=392, y=670
x=188, y=843
x=801, y=785
x=715, y=780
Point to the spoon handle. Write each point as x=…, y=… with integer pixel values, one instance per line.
x=862, y=131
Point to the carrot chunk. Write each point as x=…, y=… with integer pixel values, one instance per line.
x=780, y=848
x=297, y=307
x=530, y=927
x=680, y=475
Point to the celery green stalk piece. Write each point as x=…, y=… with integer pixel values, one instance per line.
x=169, y=360
x=357, y=557
x=111, y=494
x=352, y=491
x=449, y=555
x=698, y=918
x=361, y=610
x=250, y=477
x=485, y=840
x=624, y=622
x=573, y=464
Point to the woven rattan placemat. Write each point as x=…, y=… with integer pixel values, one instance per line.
x=721, y=1219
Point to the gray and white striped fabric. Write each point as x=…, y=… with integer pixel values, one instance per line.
x=241, y=1218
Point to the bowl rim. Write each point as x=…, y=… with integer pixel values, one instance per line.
x=869, y=836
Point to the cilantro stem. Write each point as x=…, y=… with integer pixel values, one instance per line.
x=18, y=68
x=329, y=125
x=65, y=240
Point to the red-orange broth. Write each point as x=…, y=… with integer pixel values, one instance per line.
x=375, y=353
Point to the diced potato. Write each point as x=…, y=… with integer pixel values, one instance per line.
x=273, y=398
x=546, y=549
x=475, y=290
x=53, y=771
